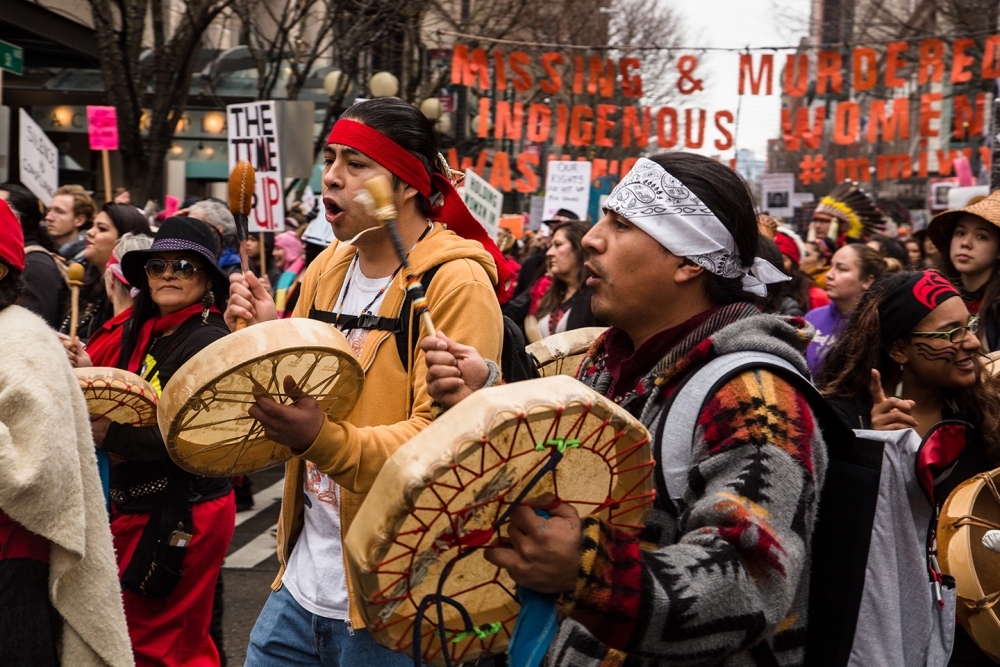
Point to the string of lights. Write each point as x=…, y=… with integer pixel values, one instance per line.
x=741, y=49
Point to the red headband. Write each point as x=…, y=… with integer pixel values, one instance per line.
x=453, y=211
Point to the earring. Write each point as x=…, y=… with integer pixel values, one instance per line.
x=206, y=304
x=899, y=385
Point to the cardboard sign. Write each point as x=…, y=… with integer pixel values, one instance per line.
x=776, y=194
x=514, y=223
x=484, y=201
x=253, y=136
x=39, y=159
x=567, y=185
x=102, y=125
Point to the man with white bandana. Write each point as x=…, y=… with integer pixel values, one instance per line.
x=720, y=573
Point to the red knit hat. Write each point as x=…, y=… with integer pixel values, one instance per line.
x=11, y=238
x=787, y=245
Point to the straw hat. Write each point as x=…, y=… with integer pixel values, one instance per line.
x=942, y=226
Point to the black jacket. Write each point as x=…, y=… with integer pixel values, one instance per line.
x=142, y=447
x=856, y=413
x=46, y=292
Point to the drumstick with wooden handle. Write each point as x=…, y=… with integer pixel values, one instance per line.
x=75, y=274
x=241, y=186
x=385, y=211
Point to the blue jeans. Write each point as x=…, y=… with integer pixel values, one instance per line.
x=285, y=634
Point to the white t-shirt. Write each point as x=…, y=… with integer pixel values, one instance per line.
x=315, y=574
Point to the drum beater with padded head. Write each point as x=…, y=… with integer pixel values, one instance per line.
x=241, y=186
x=385, y=211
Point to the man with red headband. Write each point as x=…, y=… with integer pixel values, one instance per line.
x=312, y=618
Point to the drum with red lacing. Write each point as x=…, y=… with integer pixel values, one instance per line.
x=446, y=493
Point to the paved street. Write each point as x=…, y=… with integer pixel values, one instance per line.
x=251, y=564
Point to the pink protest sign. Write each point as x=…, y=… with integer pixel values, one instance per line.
x=102, y=123
x=170, y=205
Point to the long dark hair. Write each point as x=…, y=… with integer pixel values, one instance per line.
x=405, y=125
x=126, y=219
x=846, y=371
x=144, y=308
x=728, y=196
x=989, y=309
x=574, y=232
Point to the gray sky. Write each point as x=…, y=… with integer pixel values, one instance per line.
x=739, y=23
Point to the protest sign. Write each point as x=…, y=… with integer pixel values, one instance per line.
x=102, y=126
x=567, y=186
x=253, y=136
x=484, y=201
x=776, y=194
x=39, y=159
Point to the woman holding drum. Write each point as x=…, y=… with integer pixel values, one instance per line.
x=925, y=373
x=171, y=528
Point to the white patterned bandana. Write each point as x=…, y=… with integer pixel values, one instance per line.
x=660, y=205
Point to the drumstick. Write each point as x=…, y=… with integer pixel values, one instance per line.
x=241, y=185
x=385, y=211
x=75, y=274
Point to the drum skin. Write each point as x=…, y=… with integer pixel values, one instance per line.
x=202, y=412
x=562, y=353
x=440, y=493
x=975, y=568
x=122, y=397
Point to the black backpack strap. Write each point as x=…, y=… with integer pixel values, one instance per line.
x=368, y=321
x=406, y=338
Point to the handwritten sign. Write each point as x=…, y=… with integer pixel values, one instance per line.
x=567, y=186
x=39, y=159
x=102, y=124
x=484, y=201
x=253, y=136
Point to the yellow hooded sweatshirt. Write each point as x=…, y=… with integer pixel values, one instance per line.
x=395, y=404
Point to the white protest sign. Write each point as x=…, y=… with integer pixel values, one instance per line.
x=567, y=185
x=39, y=160
x=776, y=194
x=537, y=212
x=484, y=201
x=253, y=136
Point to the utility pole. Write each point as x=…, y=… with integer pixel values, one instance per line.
x=462, y=101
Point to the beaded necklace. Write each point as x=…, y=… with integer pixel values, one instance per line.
x=350, y=276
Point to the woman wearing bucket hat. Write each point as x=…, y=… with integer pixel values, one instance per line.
x=969, y=241
x=171, y=528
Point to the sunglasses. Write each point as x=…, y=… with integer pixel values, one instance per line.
x=956, y=335
x=181, y=268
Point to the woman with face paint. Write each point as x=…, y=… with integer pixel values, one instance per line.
x=925, y=369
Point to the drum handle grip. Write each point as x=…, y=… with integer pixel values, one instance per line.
x=240, y=324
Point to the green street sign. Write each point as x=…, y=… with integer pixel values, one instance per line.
x=11, y=58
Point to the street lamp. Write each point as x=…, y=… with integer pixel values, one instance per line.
x=331, y=82
x=383, y=84
x=432, y=108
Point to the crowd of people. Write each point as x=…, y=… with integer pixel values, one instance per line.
x=892, y=328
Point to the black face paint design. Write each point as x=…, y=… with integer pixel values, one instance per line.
x=931, y=353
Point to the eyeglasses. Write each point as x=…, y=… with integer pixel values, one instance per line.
x=181, y=268
x=956, y=335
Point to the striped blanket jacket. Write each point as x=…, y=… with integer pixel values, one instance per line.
x=724, y=579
